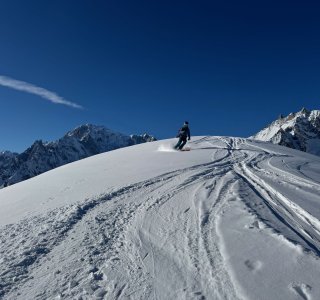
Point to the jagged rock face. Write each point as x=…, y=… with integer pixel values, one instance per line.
x=139, y=139
x=82, y=142
x=7, y=164
x=299, y=131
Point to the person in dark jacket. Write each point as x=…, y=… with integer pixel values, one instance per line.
x=183, y=135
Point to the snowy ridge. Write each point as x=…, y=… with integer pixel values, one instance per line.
x=299, y=131
x=231, y=219
x=82, y=142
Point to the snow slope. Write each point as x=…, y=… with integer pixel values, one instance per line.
x=231, y=219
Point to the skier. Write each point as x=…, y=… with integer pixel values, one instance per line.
x=183, y=134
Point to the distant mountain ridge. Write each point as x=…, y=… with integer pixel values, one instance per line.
x=299, y=131
x=84, y=141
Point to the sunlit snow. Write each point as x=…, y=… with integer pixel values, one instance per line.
x=231, y=219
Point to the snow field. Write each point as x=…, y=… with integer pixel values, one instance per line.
x=231, y=219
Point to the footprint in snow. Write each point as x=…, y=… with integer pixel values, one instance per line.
x=255, y=225
x=301, y=289
x=253, y=265
x=198, y=295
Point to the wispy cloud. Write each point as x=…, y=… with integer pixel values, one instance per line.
x=39, y=91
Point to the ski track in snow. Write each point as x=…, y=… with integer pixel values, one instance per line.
x=159, y=239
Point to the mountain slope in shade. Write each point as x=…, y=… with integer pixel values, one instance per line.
x=82, y=142
x=230, y=219
x=299, y=131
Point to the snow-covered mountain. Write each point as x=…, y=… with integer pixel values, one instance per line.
x=230, y=219
x=299, y=131
x=7, y=160
x=82, y=142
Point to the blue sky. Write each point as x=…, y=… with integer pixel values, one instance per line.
x=228, y=67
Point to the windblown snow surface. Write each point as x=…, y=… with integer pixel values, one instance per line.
x=230, y=219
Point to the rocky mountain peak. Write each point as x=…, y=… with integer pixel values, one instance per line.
x=299, y=131
x=83, y=141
